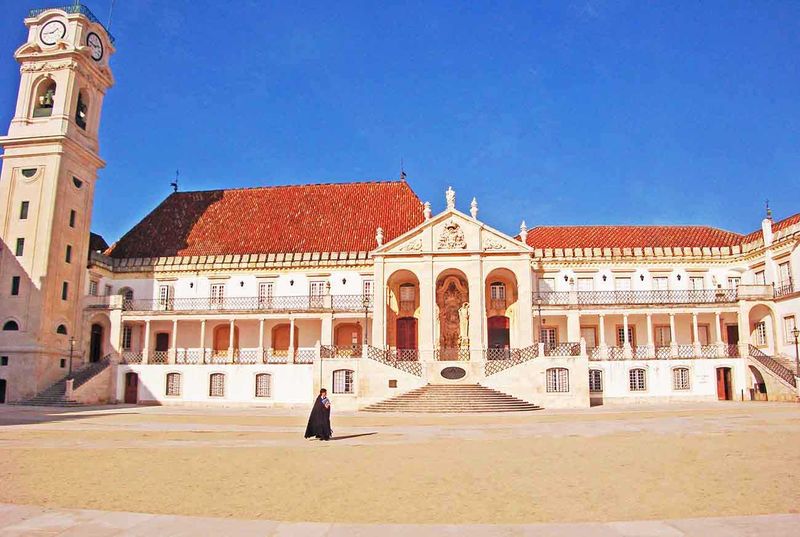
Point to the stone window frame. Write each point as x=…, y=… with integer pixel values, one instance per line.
x=216, y=390
x=596, y=383
x=263, y=385
x=172, y=384
x=681, y=379
x=344, y=381
x=557, y=380
x=637, y=379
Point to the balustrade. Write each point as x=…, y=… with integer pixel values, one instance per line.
x=563, y=349
x=654, y=297
x=280, y=304
x=451, y=354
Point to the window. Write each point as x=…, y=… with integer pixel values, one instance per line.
x=68, y=256
x=622, y=284
x=697, y=283
x=174, y=384
x=43, y=103
x=663, y=336
x=127, y=293
x=217, y=294
x=63, y=363
x=789, y=324
x=733, y=282
x=80, y=112
x=680, y=378
x=62, y=329
x=621, y=335
x=72, y=215
x=547, y=284
x=702, y=334
x=637, y=380
x=64, y=291
x=10, y=326
x=29, y=172
x=265, y=293
x=759, y=278
x=23, y=210
x=107, y=290
x=3, y=360
x=784, y=274
x=660, y=283
x=216, y=385
x=20, y=250
x=407, y=293
x=165, y=297
x=498, y=291
x=367, y=287
x=761, y=333
x=127, y=336
x=263, y=385
x=15, y=285
x=588, y=333
x=557, y=380
x=343, y=381
x=595, y=380
x=585, y=284
x=92, y=287
x=77, y=182
x=549, y=337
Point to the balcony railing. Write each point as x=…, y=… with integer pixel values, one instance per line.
x=265, y=304
x=402, y=355
x=784, y=288
x=328, y=352
x=95, y=301
x=497, y=303
x=649, y=352
x=656, y=297
x=451, y=354
x=563, y=349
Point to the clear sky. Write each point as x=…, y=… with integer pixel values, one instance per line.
x=561, y=112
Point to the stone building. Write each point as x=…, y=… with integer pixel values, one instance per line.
x=260, y=296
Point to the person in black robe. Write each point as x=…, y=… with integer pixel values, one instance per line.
x=319, y=422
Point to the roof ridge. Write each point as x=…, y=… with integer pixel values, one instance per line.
x=586, y=226
x=296, y=185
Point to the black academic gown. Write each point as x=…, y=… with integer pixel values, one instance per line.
x=319, y=422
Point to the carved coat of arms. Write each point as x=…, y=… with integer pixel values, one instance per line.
x=452, y=237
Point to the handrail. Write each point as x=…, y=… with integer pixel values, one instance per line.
x=783, y=372
x=495, y=364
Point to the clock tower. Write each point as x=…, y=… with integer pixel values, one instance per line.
x=49, y=168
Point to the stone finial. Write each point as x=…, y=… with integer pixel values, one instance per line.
x=473, y=208
x=450, y=196
x=523, y=231
x=379, y=236
x=426, y=211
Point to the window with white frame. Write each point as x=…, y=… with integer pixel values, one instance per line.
x=343, y=381
x=217, y=294
x=585, y=284
x=557, y=379
x=548, y=336
x=367, y=287
x=621, y=335
x=165, y=296
x=497, y=291
x=547, y=285
x=265, y=293
x=173, y=384
x=789, y=324
x=127, y=336
x=761, y=333
x=92, y=287
x=733, y=282
x=263, y=385
x=784, y=274
x=662, y=336
x=595, y=380
x=316, y=290
x=702, y=334
x=760, y=279
x=680, y=378
x=637, y=380
x=622, y=284
x=660, y=283
x=216, y=385
x=697, y=283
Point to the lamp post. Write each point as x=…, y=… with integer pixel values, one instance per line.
x=796, y=334
x=365, y=303
x=72, y=349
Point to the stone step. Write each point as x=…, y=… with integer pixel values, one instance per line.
x=454, y=398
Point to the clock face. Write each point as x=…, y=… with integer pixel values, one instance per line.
x=52, y=32
x=96, y=44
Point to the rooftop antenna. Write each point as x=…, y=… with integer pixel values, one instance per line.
x=402, y=170
x=769, y=211
x=110, y=12
x=174, y=184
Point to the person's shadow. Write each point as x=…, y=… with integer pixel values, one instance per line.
x=351, y=436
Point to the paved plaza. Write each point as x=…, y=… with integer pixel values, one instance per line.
x=599, y=466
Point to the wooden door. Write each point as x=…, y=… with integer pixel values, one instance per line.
x=498, y=333
x=724, y=388
x=96, y=343
x=733, y=334
x=131, y=388
x=162, y=341
x=407, y=333
x=2, y=390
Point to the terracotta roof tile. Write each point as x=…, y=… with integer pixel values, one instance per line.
x=335, y=217
x=630, y=237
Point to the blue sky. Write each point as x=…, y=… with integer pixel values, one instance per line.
x=584, y=112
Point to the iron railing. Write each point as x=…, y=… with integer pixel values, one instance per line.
x=267, y=304
x=388, y=357
x=784, y=289
x=131, y=357
x=563, y=349
x=159, y=357
x=664, y=352
x=732, y=350
x=97, y=301
x=327, y=352
x=783, y=372
x=451, y=354
x=515, y=357
x=402, y=355
x=655, y=297
x=502, y=353
x=73, y=9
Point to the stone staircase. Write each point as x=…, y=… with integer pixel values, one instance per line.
x=774, y=366
x=55, y=395
x=453, y=398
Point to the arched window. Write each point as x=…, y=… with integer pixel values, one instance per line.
x=680, y=378
x=263, y=385
x=637, y=380
x=62, y=329
x=216, y=385
x=174, y=384
x=44, y=99
x=10, y=326
x=557, y=379
x=343, y=381
x=127, y=293
x=595, y=380
x=81, y=111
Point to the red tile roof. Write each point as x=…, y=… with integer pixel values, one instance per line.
x=630, y=237
x=336, y=217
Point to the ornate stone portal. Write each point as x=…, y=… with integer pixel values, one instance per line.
x=452, y=299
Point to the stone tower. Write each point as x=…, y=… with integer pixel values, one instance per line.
x=50, y=165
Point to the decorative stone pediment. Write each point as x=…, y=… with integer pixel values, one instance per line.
x=451, y=237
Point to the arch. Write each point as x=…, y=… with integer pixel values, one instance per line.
x=501, y=291
x=452, y=300
x=82, y=109
x=10, y=326
x=348, y=335
x=343, y=381
x=758, y=391
x=402, y=306
x=95, y=342
x=126, y=293
x=762, y=327
x=96, y=338
x=222, y=338
x=280, y=338
x=61, y=329
x=44, y=96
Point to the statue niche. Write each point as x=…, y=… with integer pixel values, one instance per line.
x=452, y=299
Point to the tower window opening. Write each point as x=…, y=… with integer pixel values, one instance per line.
x=80, y=112
x=45, y=97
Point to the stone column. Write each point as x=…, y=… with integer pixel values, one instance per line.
x=379, y=293
x=696, y=335
x=261, y=340
x=573, y=326
x=202, y=341
x=651, y=346
x=115, y=332
x=718, y=334
x=627, y=350
x=673, y=341
x=291, y=339
x=173, y=350
x=232, y=331
x=603, y=348
x=326, y=330
x=146, y=343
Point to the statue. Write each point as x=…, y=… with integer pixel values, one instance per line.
x=450, y=196
x=463, y=322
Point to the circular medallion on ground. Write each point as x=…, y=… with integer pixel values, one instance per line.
x=453, y=373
